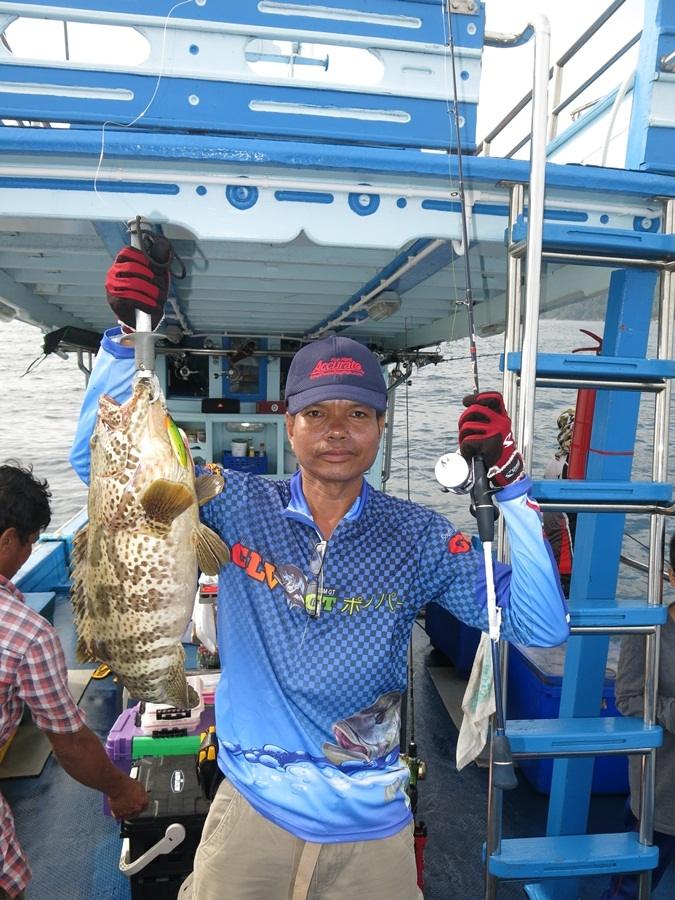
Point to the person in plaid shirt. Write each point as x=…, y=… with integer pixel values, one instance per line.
x=33, y=672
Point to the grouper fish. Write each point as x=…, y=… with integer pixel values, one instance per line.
x=136, y=561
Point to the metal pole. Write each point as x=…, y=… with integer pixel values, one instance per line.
x=656, y=546
x=494, y=831
x=389, y=430
x=512, y=330
x=144, y=340
x=557, y=92
x=535, y=225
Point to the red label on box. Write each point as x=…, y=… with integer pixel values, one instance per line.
x=270, y=406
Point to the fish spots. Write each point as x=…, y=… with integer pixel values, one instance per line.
x=132, y=592
x=101, y=650
x=101, y=603
x=95, y=549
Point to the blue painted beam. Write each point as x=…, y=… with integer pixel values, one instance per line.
x=261, y=154
x=651, y=133
x=417, y=21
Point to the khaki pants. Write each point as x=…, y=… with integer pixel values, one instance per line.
x=244, y=856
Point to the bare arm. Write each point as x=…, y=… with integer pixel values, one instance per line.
x=82, y=756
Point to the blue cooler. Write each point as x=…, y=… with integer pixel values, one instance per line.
x=535, y=683
x=257, y=465
x=456, y=640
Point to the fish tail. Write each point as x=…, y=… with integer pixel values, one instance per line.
x=178, y=691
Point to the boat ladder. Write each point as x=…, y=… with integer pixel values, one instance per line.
x=641, y=258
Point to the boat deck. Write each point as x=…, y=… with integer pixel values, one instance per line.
x=74, y=849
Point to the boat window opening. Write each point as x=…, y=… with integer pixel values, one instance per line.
x=316, y=63
x=59, y=40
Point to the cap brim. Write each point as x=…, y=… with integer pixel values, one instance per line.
x=375, y=399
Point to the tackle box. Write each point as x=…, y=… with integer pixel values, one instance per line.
x=160, y=719
x=127, y=742
x=534, y=687
x=172, y=783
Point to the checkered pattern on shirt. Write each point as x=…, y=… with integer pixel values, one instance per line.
x=32, y=671
x=396, y=550
x=288, y=679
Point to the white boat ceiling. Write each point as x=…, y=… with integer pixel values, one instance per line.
x=278, y=252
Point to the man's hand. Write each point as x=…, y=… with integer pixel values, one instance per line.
x=134, y=281
x=485, y=430
x=130, y=800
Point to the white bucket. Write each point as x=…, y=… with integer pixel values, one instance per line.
x=239, y=447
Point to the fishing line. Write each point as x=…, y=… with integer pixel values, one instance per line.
x=142, y=113
x=629, y=535
x=411, y=749
x=503, y=775
x=407, y=420
x=449, y=110
x=468, y=292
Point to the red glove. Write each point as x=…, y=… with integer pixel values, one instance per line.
x=485, y=430
x=134, y=281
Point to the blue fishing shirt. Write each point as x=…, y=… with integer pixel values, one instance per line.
x=308, y=708
x=111, y=374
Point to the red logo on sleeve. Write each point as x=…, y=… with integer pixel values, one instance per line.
x=458, y=543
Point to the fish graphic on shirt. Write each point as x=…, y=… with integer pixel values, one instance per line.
x=369, y=734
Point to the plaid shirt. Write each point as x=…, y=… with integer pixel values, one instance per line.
x=32, y=671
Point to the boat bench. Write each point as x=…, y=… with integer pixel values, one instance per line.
x=42, y=602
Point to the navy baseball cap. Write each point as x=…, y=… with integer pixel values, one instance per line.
x=335, y=368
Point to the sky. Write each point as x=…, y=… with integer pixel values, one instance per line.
x=506, y=73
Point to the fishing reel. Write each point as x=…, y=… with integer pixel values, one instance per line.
x=416, y=766
x=457, y=476
x=454, y=473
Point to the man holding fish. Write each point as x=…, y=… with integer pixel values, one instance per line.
x=315, y=612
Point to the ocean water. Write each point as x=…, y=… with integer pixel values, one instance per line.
x=39, y=412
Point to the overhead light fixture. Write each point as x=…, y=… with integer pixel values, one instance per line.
x=383, y=305
x=245, y=427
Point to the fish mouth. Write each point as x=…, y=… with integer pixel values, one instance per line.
x=347, y=742
x=116, y=415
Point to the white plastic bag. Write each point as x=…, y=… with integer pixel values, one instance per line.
x=204, y=619
x=478, y=704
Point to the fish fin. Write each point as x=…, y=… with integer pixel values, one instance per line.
x=163, y=501
x=77, y=592
x=212, y=551
x=83, y=654
x=208, y=487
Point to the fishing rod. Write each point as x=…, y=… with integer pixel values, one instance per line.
x=453, y=473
